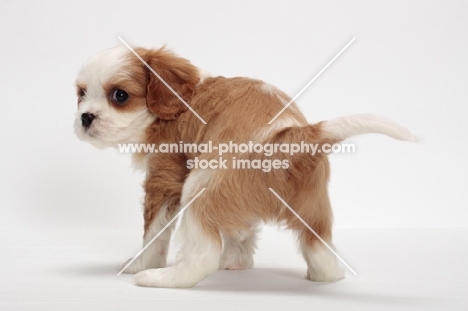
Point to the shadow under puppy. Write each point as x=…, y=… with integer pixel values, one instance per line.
x=120, y=101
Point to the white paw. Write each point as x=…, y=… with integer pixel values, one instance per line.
x=140, y=264
x=331, y=274
x=146, y=278
x=160, y=278
x=323, y=265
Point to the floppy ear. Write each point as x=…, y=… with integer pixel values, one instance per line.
x=179, y=74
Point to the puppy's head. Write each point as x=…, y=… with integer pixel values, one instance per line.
x=119, y=97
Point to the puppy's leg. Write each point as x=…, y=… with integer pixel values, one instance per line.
x=163, y=186
x=198, y=257
x=238, y=250
x=308, y=196
x=155, y=254
x=322, y=264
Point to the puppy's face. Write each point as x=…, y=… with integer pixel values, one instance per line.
x=118, y=97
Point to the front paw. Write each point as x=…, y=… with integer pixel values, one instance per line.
x=156, y=278
x=165, y=278
x=141, y=264
x=148, y=278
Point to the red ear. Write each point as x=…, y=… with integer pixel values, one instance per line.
x=181, y=76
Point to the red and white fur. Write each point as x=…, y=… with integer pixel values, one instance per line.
x=121, y=101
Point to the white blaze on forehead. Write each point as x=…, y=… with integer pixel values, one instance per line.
x=101, y=67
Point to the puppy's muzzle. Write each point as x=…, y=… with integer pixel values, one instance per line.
x=87, y=119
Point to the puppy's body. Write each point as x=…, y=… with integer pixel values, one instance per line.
x=220, y=226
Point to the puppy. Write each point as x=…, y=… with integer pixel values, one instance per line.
x=122, y=101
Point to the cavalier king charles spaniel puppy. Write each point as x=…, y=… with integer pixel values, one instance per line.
x=122, y=101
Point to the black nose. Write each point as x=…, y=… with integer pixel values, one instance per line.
x=87, y=119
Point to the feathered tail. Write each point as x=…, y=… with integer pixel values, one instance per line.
x=345, y=127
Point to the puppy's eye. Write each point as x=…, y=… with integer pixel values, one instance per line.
x=119, y=96
x=81, y=94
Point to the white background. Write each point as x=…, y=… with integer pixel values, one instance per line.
x=409, y=63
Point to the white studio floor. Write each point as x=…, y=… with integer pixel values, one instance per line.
x=398, y=269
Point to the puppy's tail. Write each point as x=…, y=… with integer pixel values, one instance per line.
x=336, y=130
x=342, y=128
